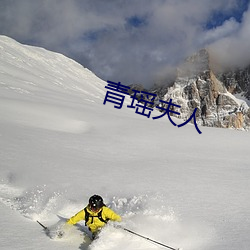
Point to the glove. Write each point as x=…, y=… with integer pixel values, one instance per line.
x=118, y=226
x=60, y=234
x=62, y=229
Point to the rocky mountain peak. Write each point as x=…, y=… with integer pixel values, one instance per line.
x=196, y=64
x=197, y=86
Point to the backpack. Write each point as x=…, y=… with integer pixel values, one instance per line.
x=88, y=216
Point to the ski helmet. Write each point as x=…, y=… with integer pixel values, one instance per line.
x=95, y=202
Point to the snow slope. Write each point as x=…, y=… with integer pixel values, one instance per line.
x=60, y=144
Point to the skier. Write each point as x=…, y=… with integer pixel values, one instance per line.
x=95, y=214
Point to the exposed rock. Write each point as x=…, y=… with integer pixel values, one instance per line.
x=237, y=81
x=199, y=85
x=196, y=86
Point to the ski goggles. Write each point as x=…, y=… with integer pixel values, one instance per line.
x=94, y=208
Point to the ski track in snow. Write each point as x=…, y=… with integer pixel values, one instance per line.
x=145, y=214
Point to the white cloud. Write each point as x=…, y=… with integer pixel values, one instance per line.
x=233, y=50
x=228, y=28
x=97, y=33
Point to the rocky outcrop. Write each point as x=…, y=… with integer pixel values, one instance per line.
x=237, y=81
x=197, y=86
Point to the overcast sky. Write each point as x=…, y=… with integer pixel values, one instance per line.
x=132, y=41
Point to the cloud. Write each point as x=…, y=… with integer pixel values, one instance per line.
x=232, y=50
x=129, y=41
x=228, y=28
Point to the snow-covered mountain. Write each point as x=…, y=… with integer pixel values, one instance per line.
x=197, y=85
x=59, y=145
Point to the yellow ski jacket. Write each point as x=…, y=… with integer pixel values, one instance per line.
x=94, y=223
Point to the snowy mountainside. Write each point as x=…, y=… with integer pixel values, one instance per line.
x=60, y=144
x=37, y=69
x=42, y=77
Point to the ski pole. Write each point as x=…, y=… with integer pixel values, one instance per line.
x=146, y=238
x=45, y=228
